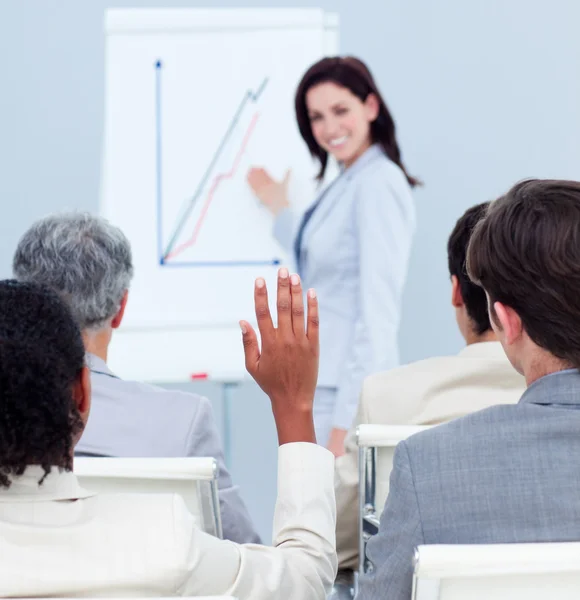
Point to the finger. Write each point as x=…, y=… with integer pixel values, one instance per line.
x=263, y=316
x=313, y=323
x=251, y=348
x=284, y=303
x=255, y=175
x=297, y=307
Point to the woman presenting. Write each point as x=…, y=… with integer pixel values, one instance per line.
x=353, y=242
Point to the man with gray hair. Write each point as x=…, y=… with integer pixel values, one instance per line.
x=88, y=262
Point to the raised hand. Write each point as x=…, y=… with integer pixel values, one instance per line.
x=286, y=366
x=271, y=193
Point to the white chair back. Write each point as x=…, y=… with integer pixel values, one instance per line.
x=169, y=598
x=195, y=479
x=376, y=450
x=498, y=571
x=384, y=439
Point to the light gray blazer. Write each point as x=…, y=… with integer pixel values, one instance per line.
x=129, y=418
x=353, y=246
x=506, y=474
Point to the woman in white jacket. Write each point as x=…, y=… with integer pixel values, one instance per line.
x=60, y=540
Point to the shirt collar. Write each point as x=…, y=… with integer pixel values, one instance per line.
x=98, y=365
x=490, y=350
x=562, y=387
x=57, y=485
x=372, y=153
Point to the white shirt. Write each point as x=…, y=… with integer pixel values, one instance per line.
x=57, y=539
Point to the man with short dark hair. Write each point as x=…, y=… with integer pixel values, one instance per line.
x=433, y=390
x=507, y=474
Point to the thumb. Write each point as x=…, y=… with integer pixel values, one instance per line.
x=251, y=349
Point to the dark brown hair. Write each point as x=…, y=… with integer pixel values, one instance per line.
x=472, y=294
x=353, y=74
x=525, y=253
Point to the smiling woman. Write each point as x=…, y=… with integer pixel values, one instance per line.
x=339, y=95
x=353, y=243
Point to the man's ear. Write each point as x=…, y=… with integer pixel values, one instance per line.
x=118, y=318
x=508, y=320
x=82, y=393
x=456, y=295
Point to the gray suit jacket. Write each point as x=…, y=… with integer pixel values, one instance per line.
x=506, y=474
x=136, y=419
x=354, y=250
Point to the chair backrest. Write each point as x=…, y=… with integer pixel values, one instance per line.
x=376, y=450
x=498, y=571
x=195, y=479
x=169, y=598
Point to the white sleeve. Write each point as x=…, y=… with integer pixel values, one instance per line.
x=302, y=564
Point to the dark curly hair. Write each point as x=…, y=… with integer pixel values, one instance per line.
x=41, y=356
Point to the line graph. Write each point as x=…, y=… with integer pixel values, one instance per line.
x=216, y=182
x=209, y=183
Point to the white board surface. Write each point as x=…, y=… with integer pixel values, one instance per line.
x=194, y=98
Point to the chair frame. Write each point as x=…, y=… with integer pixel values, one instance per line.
x=215, y=502
x=369, y=514
x=213, y=483
x=368, y=518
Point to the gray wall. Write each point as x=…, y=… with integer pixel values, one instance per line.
x=485, y=92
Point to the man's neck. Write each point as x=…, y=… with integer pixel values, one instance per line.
x=547, y=364
x=97, y=342
x=475, y=338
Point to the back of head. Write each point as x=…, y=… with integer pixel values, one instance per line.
x=41, y=356
x=525, y=253
x=472, y=294
x=84, y=258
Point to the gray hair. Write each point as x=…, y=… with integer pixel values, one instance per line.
x=84, y=258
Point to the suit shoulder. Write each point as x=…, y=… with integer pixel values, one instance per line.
x=426, y=371
x=151, y=521
x=120, y=508
x=155, y=397
x=382, y=183
x=465, y=430
x=384, y=171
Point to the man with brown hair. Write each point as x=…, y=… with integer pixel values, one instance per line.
x=505, y=474
x=433, y=390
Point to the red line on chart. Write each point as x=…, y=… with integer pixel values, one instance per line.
x=216, y=182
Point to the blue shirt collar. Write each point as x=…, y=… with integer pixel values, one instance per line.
x=98, y=365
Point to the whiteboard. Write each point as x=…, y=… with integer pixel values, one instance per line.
x=193, y=99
